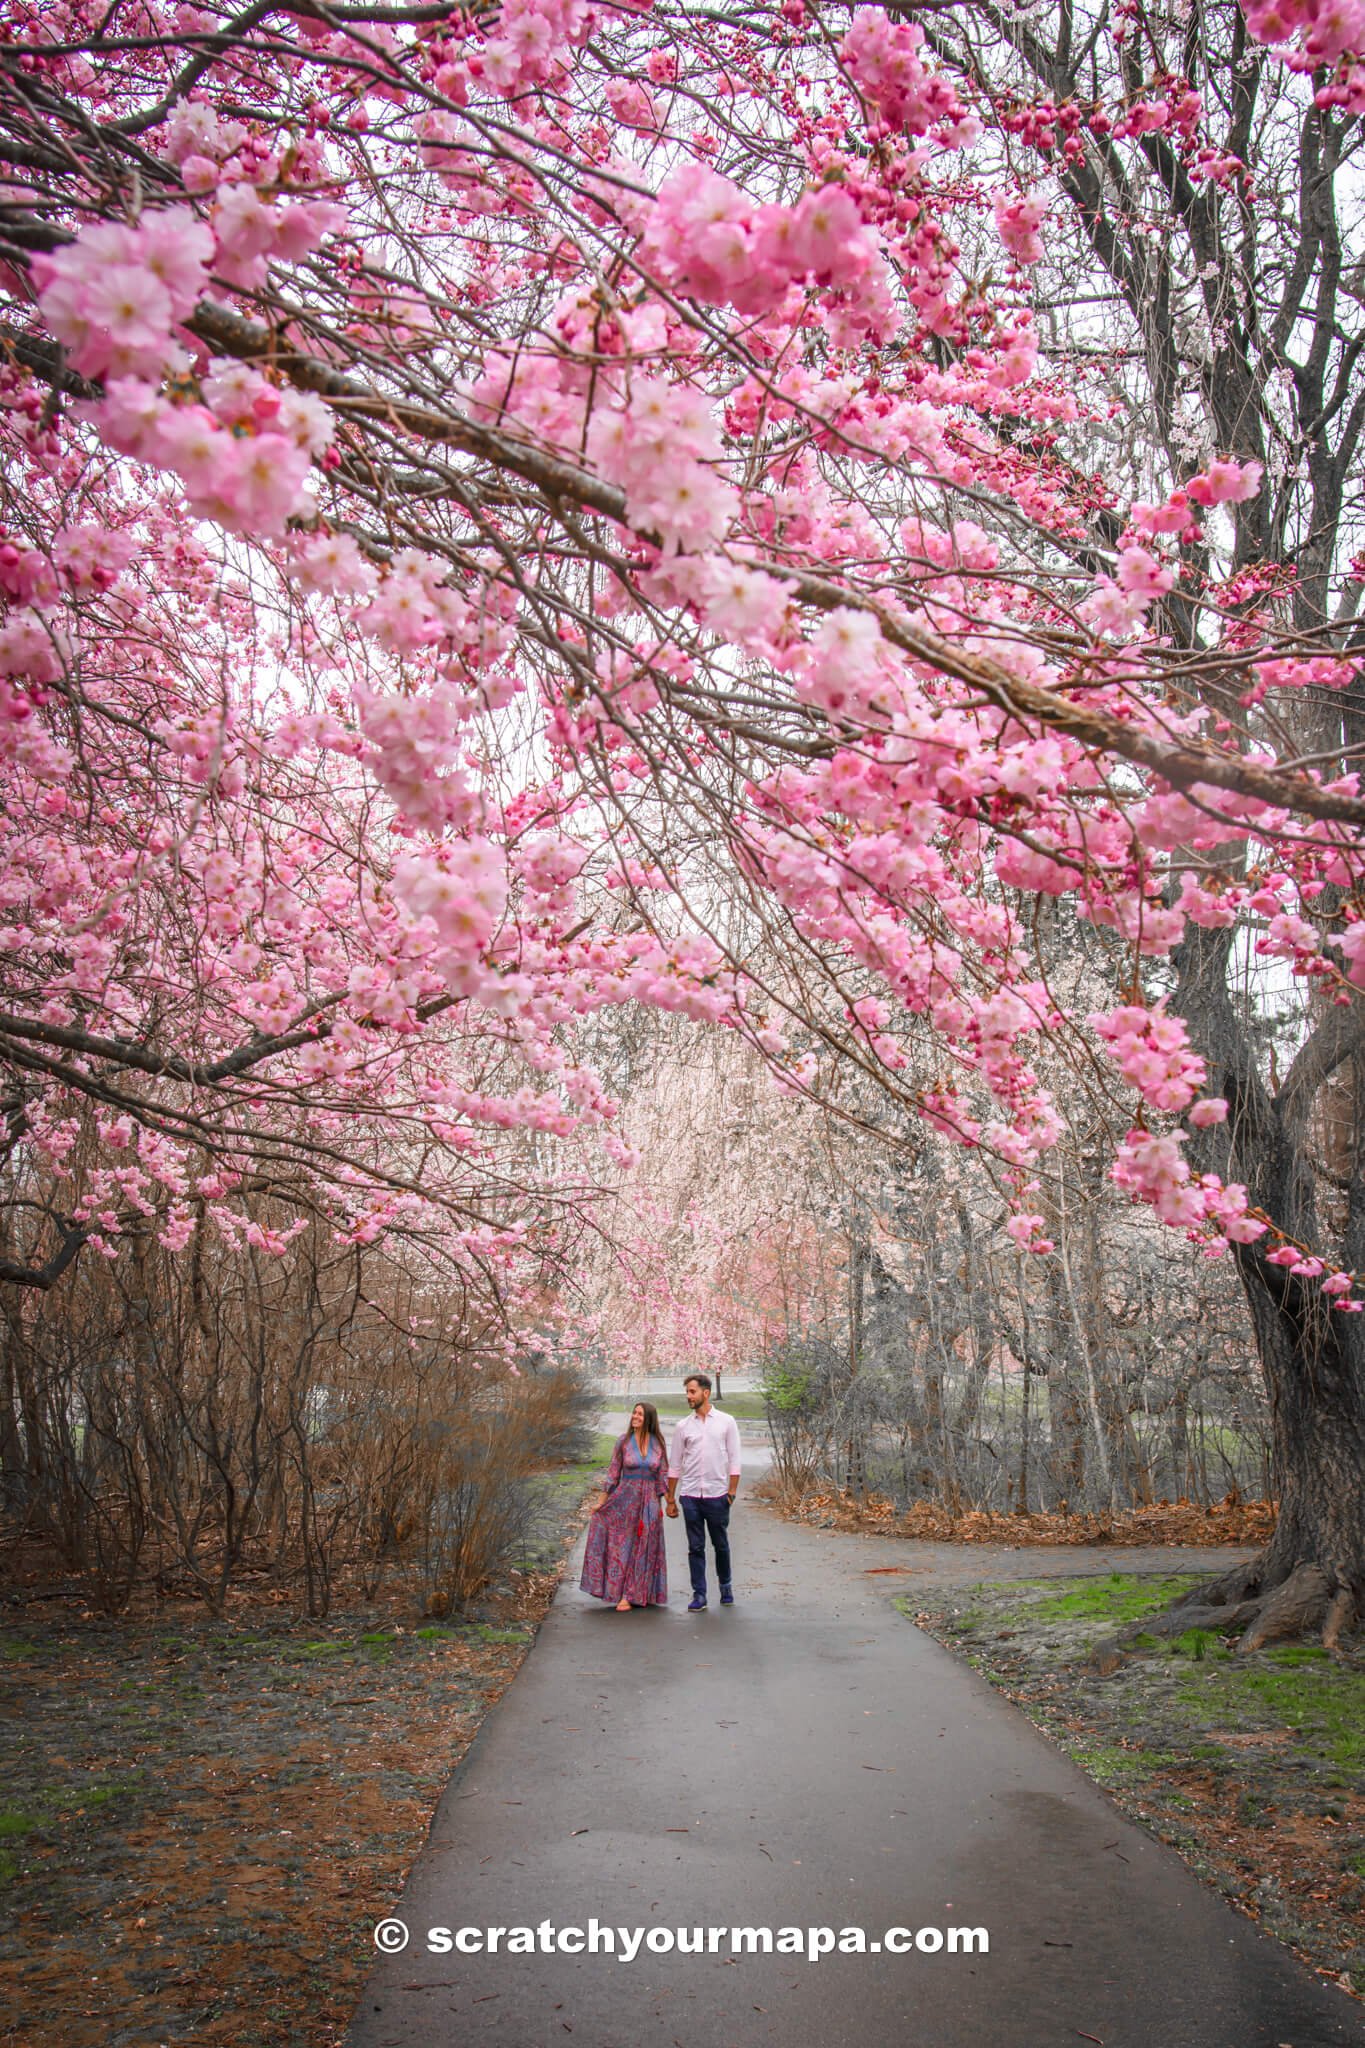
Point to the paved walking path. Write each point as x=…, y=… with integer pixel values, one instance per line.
x=809, y=1759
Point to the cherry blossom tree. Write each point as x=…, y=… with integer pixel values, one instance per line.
x=644, y=478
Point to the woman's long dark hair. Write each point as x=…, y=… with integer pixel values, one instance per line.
x=651, y=1425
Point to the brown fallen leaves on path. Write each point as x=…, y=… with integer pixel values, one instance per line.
x=1231, y=1520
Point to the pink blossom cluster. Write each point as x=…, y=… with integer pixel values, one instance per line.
x=1109, y=608
x=414, y=607
x=253, y=228
x=1151, y=1050
x=34, y=651
x=249, y=480
x=1118, y=604
x=527, y=43
x=1351, y=940
x=883, y=59
x=1169, y=819
x=1346, y=90
x=664, y=449
x=549, y=863
x=745, y=605
x=1300, y=672
x=1142, y=575
x=1288, y=936
x=845, y=666
x=461, y=886
x=1153, y=1170
x=943, y=1110
x=1330, y=29
x=1029, y=1232
x=92, y=557
x=1223, y=482
x=416, y=742
x=1216, y=908
x=1341, y=1288
x=333, y=564
x=706, y=237
x=1143, y=117
x=197, y=134
x=249, y=404
x=872, y=1014
x=26, y=574
x=114, y=295
x=632, y=104
x=1017, y=221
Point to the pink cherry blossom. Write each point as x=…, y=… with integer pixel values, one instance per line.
x=1017, y=222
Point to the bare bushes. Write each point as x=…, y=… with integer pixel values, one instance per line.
x=479, y=1499
x=174, y=1421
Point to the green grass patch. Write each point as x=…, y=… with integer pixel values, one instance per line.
x=744, y=1407
x=100, y=1795
x=598, y=1454
x=1293, y=1686
x=1200, y=1645
x=1110, y=1764
x=1121, y=1597
x=14, y=1822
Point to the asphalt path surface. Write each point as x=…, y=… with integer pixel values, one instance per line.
x=808, y=1759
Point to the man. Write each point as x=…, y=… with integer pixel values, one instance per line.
x=704, y=1465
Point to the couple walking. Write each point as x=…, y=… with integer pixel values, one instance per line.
x=625, y=1555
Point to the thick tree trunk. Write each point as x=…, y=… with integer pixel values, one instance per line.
x=1312, y=1573
x=1314, y=1362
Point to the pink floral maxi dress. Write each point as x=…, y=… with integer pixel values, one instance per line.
x=625, y=1554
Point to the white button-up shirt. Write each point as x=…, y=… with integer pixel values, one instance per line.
x=705, y=1452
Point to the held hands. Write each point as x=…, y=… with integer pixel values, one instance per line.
x=671, y=1509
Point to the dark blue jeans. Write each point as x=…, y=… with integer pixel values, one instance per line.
x=701, y=1514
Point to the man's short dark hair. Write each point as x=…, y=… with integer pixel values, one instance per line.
x=701, y=1379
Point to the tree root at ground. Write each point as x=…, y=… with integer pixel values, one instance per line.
x=1305, y=1601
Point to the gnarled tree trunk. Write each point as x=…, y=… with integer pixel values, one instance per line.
x=1312, y=1573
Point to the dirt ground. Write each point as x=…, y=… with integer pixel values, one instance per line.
x=201, y=1820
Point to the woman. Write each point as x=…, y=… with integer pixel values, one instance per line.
x=625, y=1555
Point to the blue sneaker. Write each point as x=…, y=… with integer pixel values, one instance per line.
x=727, y=1596
x=696, y=1603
